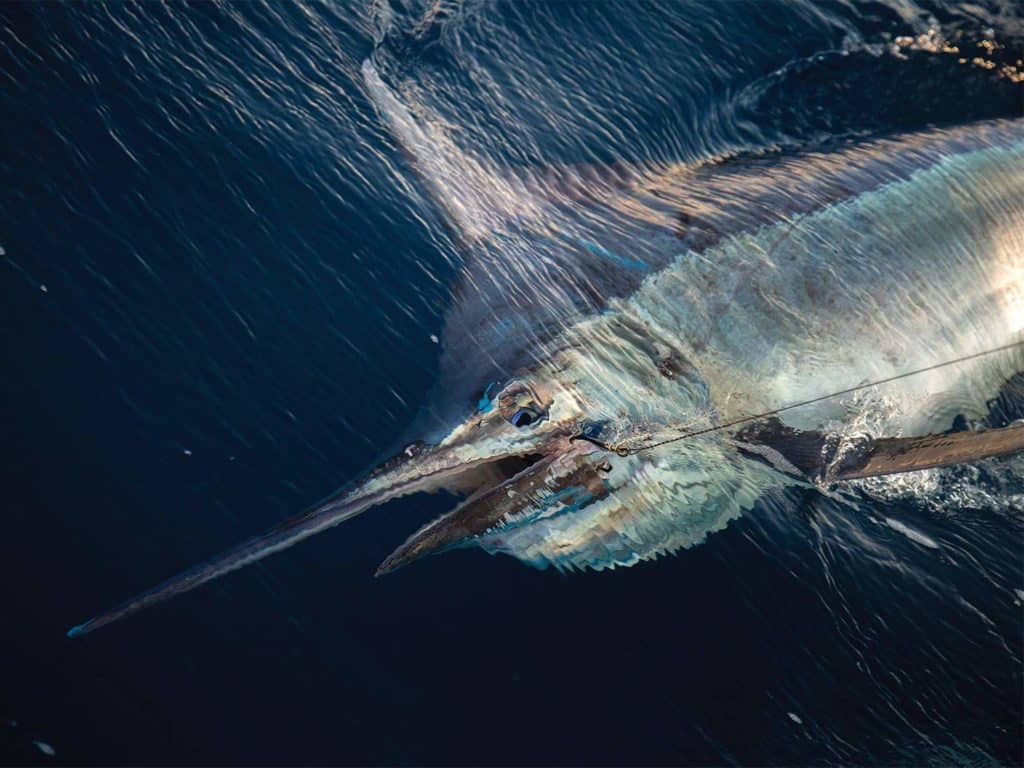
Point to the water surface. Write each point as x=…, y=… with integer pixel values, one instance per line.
x=222, y=284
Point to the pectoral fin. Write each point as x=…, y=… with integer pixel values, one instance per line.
x=888, y=456
x=829, y=459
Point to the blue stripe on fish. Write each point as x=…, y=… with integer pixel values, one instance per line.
x=600, y=250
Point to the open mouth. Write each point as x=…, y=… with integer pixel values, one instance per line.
x=489, y=474
x=501, y=491
x=485, y=486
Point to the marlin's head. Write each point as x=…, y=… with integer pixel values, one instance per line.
x=533, y=461
x=512, y=444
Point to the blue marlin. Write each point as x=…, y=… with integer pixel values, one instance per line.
x=624, y=308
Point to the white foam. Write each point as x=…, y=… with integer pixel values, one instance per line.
x=910, y=533
x=795, y=718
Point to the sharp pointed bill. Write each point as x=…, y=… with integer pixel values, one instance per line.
x=620, y=307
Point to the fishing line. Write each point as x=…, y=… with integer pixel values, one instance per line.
x=624, y=450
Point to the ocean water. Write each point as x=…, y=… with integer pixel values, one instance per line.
x=223, y=283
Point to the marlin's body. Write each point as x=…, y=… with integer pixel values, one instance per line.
x=894, y=279
x=626, y=308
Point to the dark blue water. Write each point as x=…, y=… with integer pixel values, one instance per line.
x=219, y=284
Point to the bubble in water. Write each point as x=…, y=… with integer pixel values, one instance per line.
x=45, y=748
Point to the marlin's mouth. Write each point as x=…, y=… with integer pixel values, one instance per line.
x=476, y=514
x=488, y=473
x=497, y=492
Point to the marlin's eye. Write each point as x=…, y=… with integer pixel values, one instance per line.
x=524, y=417
x=519, y=406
